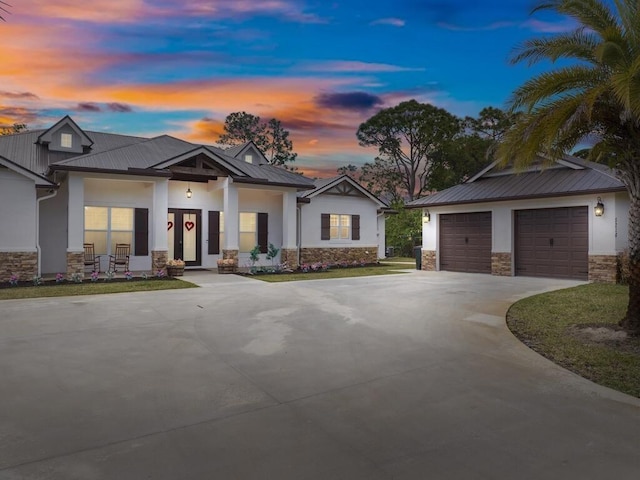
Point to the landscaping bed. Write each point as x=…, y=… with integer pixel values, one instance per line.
x=316, y=272
x=577, y=328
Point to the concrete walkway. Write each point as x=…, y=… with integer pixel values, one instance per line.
x=396, y=377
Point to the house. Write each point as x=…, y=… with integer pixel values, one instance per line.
x=167, y=198
x=567, y=220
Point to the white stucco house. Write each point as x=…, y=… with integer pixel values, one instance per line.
x=567, y=220
x=167, y=198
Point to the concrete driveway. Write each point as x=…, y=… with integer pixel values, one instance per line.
x=396, y=377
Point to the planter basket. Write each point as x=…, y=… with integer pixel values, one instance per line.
x=175, y=270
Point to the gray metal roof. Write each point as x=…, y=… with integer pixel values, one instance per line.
x=234, y=150
x=574, y=177
x=318, y=183
x=144, y=154
x=119, y=153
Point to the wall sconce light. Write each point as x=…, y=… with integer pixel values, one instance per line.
x=189, y=192
x=599, y=208
x=426, y=216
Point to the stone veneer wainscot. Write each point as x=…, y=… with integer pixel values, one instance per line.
x=22, y=264
x=290, y=257
x=339, y=254
x=501, y=264
x=75, y=264
x=603, y=268
x=429, y=260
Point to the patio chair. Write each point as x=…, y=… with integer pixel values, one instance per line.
x=121, y=257
x=90, y=258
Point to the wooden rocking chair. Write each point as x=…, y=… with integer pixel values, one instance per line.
x=90, y=258
x=121, y=257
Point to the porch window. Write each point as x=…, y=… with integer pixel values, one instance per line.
x=248, y=231
x=106, y=226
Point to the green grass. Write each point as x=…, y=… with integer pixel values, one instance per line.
x=69, y=289
x=549, y=323
x=333, y=273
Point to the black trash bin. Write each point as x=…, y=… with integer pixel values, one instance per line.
x=417, y=251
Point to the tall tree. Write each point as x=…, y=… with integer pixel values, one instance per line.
x=269, y=136
x=15, y=128
x=407, y=136
x=597, y=96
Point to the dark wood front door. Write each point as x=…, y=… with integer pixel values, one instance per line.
x=465, y=242
x=185, y=239
x=552, y=242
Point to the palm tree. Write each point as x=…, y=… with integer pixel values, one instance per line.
x=597, y=97
x=2, y=9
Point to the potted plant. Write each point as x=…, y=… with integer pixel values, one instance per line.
x=175, y=267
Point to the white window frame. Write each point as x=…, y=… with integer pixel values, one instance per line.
x=340, y=226
x=109, y=230
x=66, y=140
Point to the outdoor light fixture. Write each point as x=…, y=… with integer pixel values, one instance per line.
x=189, y=193
x=426, y=216
x=599, y=208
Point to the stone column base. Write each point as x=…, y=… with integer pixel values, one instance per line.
x=429, y=260
x=290, y=257
x=75, y=264
x=501, y=264
x=603, y=268
x=159, y=260
x=23, y=265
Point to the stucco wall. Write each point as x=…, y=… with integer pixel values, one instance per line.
x=132, y=193
x=346, y=205
x=263, y=201
x=53, y=232
x=602, y=230
x=17, y=213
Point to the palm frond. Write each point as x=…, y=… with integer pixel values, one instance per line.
x=579, y=45
x=2, y=9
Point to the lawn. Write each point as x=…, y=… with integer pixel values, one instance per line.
x=578, y=329
x=333, y=273
x=399, y=260
x=100, y=287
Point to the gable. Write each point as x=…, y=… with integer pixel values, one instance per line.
x=65, y=136
x=344, y=189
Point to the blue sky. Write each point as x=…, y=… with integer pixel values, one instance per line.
x=179, y=67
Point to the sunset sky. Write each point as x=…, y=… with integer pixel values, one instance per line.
x=147, y=67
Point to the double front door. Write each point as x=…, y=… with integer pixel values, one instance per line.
x=184, y=235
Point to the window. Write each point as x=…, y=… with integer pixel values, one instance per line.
x=66, y=140
x=248, y=158
x=340, y=227
x=106, y=226
x=248, y=231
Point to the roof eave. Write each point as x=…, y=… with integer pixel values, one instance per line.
x=264, y=181
x=522, y=197
x=130, y=171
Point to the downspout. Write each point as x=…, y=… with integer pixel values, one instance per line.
x=299, y=227
x=46, y=197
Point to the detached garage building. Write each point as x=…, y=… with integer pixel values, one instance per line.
x=568, y=220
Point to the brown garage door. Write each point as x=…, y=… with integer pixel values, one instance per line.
x=552, y=242
x=465, y=242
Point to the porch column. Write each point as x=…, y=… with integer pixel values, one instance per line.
x=75, y=230
x=159, y=240
x=289, y=252
x=231, y=246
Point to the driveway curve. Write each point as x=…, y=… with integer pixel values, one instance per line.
x=397, y=377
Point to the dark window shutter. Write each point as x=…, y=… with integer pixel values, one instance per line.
x=325, y=226
x=214, y=233
x=263, y=231
x=141, y=231
x=355, y=227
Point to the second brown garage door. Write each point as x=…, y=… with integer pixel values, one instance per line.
x=552, y=242
x=465, y=242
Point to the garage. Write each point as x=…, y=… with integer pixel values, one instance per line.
x=552, y=242
x=465, y=242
